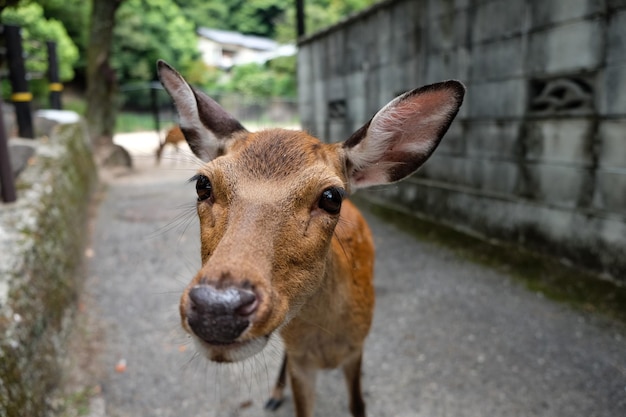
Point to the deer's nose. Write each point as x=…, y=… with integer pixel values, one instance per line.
x=219, y=316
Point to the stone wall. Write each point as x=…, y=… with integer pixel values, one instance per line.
x=42, y=238
x=537, y=154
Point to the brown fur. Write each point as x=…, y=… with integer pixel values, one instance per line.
x=277, y=253
x=263, y=229
x=173, y=137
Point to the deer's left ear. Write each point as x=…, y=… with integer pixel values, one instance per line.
x=207, y=127
x=402, y=135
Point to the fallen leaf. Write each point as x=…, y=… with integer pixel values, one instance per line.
x=120, y=366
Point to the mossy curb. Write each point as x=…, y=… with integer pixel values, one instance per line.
x=540, y=273
x=42, y=237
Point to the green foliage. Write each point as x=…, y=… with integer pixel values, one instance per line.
x=276, y=78
x=36, y=30
x=257, y=17
x=251, y=17
x=74, y=14
x=251, y=79
x=319, y=14
x=203, y=13
x=284, y=70
x=147, y=30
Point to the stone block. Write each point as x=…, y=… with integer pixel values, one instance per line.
x=356, y=54
x=398, y=80
x=307, y=116
x=356, y=98
x=446, y=65
x=497, y=19
x=403, y=16
x=335, y=88
x=453, y=143
x=560, y=141
x=386, y=85
x=610, y=191
x=437, y=8
x=611, y=97
x=20, y=151
x=616, y=39
x=372, y=91
x=570, y=47
x=336, y=53
x=318, y=60
x=548, y=12
x=445, y=168
x=403, y=46
x=492, y=139
x=493, y=176
x=558, y=185
x=304, y=69
x=496, y=99
x=383, y=48
x=616, y=4
x=357, y=115
x=319, y=120
x=498, y=60
x=447, y=31
x=612, y=153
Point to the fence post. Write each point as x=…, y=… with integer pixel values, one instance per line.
x=300, y=18
x=7, y=182
x=20, y=96
x=55, y=86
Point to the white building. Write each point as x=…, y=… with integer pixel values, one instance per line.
x=224, y=49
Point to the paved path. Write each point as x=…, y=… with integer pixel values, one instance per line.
x=450, y=338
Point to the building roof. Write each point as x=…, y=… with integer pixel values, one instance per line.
x=239, y=39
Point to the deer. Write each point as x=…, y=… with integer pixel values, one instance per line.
x=174, y=136
x=283, y=249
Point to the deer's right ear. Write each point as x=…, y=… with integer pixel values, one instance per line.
x=402, y=135
x=206, y=125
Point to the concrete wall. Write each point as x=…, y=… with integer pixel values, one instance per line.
x=42, y=238
x=537, y=154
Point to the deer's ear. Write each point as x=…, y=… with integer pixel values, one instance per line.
x=206, y=125
x=402, y=135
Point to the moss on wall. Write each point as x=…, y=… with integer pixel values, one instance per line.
x=46, y=232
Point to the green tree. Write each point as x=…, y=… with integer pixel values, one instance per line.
x=147, y=30
x=319, y=14
x=276, y=78
x=36, y=30
x=74, y=14
x=101, y=80
x=8, y=3
x=252, y=80
x=203, y=13
x=257, y=17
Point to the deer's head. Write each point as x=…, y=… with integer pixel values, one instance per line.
x=269, y=201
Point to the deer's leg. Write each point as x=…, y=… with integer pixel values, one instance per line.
x=276, y=399
x=352, y=372
x=302, y=379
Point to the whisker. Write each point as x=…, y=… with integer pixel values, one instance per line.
x=185, y=217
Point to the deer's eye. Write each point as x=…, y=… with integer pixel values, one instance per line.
x=330, y=200
x=203, y=187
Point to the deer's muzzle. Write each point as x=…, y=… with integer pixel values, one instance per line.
x=220, y=316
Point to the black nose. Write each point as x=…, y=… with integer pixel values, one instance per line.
x=219, y=316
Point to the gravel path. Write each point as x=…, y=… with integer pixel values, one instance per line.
x=450, y=337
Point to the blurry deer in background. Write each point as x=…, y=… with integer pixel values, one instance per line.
x=173, y=137
x=283, y=250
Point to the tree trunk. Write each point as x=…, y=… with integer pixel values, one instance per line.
x=101, y=78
